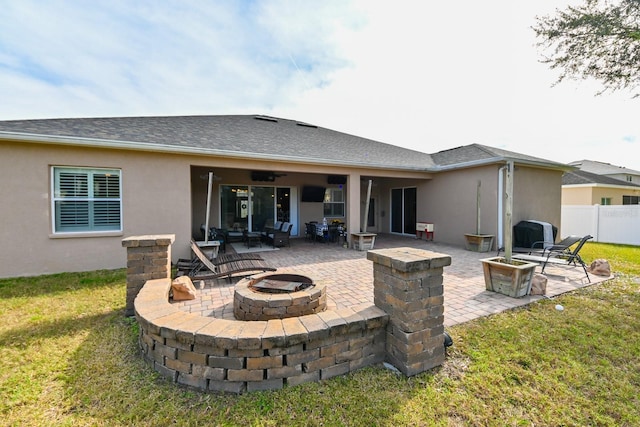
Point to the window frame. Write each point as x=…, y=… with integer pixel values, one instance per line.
x=90, y=229
x=330, y=201
x=606, y=201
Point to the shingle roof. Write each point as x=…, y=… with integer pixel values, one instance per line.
x=601, y=168
x=578, y=177
x=477, y=152
x=255, y=137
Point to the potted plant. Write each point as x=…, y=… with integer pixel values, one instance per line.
x=504, y=274
x=478, y=242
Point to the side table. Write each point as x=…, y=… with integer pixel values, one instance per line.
x=252, y=239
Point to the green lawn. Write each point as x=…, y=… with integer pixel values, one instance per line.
x=69, y=357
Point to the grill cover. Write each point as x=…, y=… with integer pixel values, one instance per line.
x=526, y=233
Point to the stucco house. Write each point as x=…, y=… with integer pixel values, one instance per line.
x=600, y=183
x=74, y=188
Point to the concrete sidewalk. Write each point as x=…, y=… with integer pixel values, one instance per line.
x=349, y=279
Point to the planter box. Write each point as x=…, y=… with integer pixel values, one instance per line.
x=513, y=279
x=363, y=241
x=479, y=242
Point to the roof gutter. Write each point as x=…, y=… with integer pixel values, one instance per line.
x=600, y=185
x=163, y=148
x=501, y=160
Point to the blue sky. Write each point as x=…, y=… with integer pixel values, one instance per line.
x=415, y=74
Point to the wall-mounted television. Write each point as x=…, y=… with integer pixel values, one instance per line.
x=337, y=179
x=312, y=193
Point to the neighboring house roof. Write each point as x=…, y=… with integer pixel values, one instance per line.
x=581, y=177
x=601, y=168
x=249, y=136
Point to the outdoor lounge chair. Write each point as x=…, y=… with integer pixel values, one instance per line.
x=541, y=247
x=270, y=230
x=203, y=268
x=281, y=237
x=561, y=256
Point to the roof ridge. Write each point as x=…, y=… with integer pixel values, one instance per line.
x=486, y=149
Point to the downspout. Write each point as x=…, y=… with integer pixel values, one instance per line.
x=500, y=206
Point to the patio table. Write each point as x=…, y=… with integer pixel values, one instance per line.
x=252, y=239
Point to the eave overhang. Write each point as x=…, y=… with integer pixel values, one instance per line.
x=199, y=151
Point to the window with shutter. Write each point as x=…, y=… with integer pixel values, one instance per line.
x=86, y=200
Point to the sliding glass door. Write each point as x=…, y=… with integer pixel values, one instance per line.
x=254, y=208
x=234, y=207
x=403, y=210
x=262, y=208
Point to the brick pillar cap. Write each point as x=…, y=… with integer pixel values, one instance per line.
x=156, y=239
x=409, y=259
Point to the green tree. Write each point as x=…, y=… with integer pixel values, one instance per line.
x=599, y=39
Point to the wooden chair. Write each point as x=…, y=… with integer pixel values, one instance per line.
x=202, y=268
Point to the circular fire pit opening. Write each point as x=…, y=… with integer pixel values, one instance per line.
x=282, y=283
x=277, y=296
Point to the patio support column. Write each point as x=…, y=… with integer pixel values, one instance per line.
x=148, y=258
x=353, y=203
x=408, y=286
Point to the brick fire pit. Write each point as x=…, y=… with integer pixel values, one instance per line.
x=277, y=296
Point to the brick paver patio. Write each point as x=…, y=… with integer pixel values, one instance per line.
x=349, y=279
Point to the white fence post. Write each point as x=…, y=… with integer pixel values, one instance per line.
x=596, y=223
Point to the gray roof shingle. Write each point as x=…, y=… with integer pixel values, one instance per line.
x=256, y=137
x=601, y=168
x=578, y=177
x=477, y=152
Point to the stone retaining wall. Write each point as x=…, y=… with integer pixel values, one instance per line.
x=236, y=356
x=405, y=327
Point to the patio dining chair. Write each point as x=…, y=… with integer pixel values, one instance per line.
x=215, y=234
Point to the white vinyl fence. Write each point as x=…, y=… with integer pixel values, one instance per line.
x=609, y=224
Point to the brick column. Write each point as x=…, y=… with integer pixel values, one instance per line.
x=408, y=286
x=148, y=258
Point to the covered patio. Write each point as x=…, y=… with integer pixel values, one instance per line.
x=348, y=276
